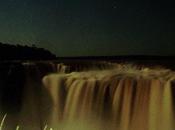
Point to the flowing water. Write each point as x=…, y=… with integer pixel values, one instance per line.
x=105, y=96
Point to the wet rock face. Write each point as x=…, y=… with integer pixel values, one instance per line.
x=22, y=95
x=12, y=79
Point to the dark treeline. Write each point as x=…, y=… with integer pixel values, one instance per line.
x=19, y=52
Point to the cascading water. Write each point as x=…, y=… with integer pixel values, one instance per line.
x=103, y=96
x=116, y=99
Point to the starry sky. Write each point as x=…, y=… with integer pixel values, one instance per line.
x=90, y=27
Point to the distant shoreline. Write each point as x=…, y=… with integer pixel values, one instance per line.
x=121, y=57
x=143, y=60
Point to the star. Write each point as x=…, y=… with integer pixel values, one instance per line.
x=114, y=7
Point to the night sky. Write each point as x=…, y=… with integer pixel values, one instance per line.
x=90, y=27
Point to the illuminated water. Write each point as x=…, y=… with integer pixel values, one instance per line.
x=120, y=97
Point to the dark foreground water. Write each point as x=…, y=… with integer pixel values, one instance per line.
x=91, y=96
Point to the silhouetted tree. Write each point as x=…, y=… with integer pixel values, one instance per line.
x=19, y=52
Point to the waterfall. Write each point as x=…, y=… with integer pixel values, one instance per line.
x=118, y=99
x=81, y=96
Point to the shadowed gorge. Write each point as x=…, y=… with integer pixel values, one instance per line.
x=98, y=96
